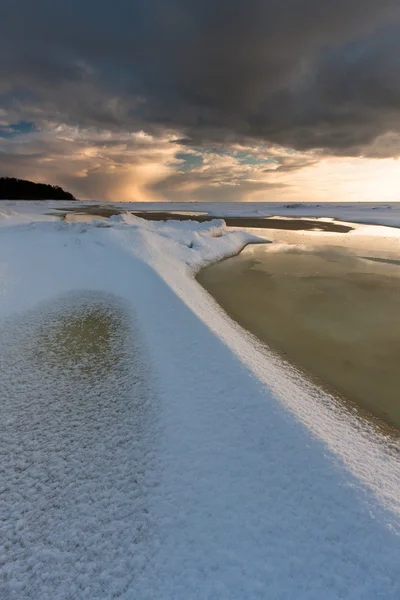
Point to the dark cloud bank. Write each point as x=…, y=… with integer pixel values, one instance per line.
x=301, y=73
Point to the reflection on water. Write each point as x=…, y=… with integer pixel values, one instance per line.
x=90, y=213
x=83, y=217
x=332, y=313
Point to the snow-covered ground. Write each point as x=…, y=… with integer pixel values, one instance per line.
x=378, y=213
x=190, y=463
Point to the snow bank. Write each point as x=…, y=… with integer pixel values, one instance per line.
x=239, y=480
x=357, y=212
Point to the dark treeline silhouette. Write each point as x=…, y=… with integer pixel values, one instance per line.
x=20, y=189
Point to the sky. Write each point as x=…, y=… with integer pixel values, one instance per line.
x=192, y=100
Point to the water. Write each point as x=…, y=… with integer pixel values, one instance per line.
x=85, y=213
x=332, y=313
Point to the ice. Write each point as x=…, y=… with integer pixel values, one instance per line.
x=187, y=463
x=377, y=213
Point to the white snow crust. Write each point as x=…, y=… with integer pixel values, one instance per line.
x=376, y=213
x=195, y=465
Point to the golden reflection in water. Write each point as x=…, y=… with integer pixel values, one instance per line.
x=82, y=217
x=331, y=313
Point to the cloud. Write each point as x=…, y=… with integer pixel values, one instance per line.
x=289, y=81
x=220, y=176
x=92, y=163
x=306, y=74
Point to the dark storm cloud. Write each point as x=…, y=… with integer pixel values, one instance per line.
x=303, y=73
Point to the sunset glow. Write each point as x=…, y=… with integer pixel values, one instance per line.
x=302, y=106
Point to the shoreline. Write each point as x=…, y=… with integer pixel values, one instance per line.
x=361, y=213
x=240, y=451
x=221, y=286
x=272, y=222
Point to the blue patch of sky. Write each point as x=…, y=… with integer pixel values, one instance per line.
x=15, y=129
x=190, y=161
x=245, y=158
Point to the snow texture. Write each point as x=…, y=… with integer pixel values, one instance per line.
x=187, y=463
x=377, y=213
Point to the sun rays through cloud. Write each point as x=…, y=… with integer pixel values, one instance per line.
x=251, y=101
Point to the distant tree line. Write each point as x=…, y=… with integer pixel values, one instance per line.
x=20, y=189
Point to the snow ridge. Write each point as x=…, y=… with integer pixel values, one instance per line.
x=199, y=467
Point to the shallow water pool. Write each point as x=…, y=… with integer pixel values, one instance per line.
x=332, y=313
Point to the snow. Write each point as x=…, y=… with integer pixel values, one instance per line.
x=377, y=213
x=195, y=466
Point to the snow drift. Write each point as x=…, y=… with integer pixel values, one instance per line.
x=201, y=466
